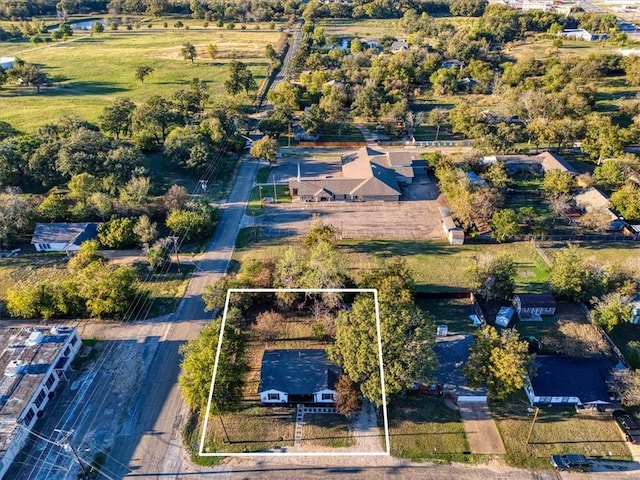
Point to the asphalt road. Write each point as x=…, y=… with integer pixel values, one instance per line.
x=150, y=441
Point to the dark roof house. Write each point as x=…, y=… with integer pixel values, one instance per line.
x=297, y=376
x=533, y=305
x=63, y=237
x=569, y=381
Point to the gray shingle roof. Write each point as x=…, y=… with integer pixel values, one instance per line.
x=67, y=233
x=297, y=372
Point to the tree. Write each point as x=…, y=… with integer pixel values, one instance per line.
x=86, y=255
x=189, y=51
x=97, y=27
x=14, y=214
x=569, y=276
x=155, y=115
x=145, y=230
x=627, y=201
x=117, y=117
x=320, y=232
x=136, y=191
x=467, y=8
x=407, y=336
x=313, y=120
x=347, y=398
x=610, y=175
x=30, y=75
x=493, y=278
x=176, y=198
x=437, y=117
x=603, y=139
x=504, y=224
x=266, y=148
x=212, y=50
x=501, y=361
x=198, y=359
x=497, y=175
x=143, y=71
x=268, y=325
x=444, y=81
x=107, y=290
x=625, y=384
x=54, y=208
x=611, y=310
x=240, y=78
x=598, y=220
x=193, y=224
x=117, y=233
x=557, y=182
x=158, y=254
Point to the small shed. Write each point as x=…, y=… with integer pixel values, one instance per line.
x=533, y=306
x=504, y=316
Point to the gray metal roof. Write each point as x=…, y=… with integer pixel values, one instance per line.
x=67, y=233
x=584, y=378
x=297, y=372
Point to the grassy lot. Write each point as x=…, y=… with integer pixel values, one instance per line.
x=349, y=134
x=624, y=255
x=557, y=430
x=453, y=312
x=252, y=429
x=257, y=207
x=167, y=289
x=366, y=29
x=568, y=332
x=622, y=335
x=325, y=430
x=112, y=59
x=424, y=428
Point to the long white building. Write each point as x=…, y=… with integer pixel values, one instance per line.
x=33, y=361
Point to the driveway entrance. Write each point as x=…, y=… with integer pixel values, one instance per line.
x=480, y=428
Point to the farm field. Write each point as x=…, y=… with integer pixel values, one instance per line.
x=93, y=70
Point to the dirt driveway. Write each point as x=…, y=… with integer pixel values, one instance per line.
x=480, y=428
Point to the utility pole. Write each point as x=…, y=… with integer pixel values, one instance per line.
x=275, y=193
x=289, y=135
x=224, y=429
x=535, y=417
x=66, y=445
x=175, y=249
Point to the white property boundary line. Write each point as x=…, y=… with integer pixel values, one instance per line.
x=387, y=449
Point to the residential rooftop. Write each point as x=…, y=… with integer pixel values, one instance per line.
x=297, y=372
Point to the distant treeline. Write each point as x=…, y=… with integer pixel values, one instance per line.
x=225, y=10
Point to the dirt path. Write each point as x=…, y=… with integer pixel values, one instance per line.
x=364, y=429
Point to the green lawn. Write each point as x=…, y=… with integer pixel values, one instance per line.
x=98, y=69
x=616, y=254
x=453, y=312
x=257, y=206
x=424, y=428
x=252, y=430
x=325, y=430
x=557, y=430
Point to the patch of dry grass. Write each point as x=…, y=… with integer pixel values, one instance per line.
x=326, y=430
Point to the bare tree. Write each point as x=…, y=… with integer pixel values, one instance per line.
x=626, y=385
x=268, y=325
x=348, y=400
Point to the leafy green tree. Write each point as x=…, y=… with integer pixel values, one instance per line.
x=603, y=139
x=320, y=232
x=196, y=369
x=366, y=103
x=493, y=277
x=97, y=27
x=117, y=117
x=87, y=254
x=136, y=191
x=83, y=185
x=611, y=310
x=313, y=120
x=467, y=8
x=193, y=224
x=117, y=233
x=155, y=115
x=212, y=50
x=497, y=175
x=444, y=81
x=285, y=98
x=437, y=117
x=504, y=224
x=570, y=276
x=143, y=71
x=189, y=51
x=14, y=215
x=29, y=75
x=54, y=208
x=108, y=291
x=627, y=201
x=158, y=254
x=266, y=148
x=84, y=150
x=274, y=125
x=240, y=78
x=501, y=361
x=146, y=230
x=557, y=183
x=407, y=336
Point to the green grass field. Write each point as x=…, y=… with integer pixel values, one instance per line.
x=325, y=430
x=556, y=431
x=424, y=428
x=95, y=70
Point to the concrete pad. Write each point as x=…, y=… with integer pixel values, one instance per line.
x=480, y=428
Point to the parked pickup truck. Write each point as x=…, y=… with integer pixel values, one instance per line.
x=627, y=425
x=575, y=463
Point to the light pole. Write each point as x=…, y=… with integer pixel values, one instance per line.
x=175, y=249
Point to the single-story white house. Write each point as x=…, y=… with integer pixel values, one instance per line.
x=562, y=381
x=533, y=306
x=63, y=237
x=297, y=376
x=7, y=62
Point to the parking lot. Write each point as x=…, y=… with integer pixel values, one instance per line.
x=415, y=216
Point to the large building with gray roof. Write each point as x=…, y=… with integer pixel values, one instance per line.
x=367, y=175
x=33, y=361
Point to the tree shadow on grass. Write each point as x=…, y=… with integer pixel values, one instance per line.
x=399, y=248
